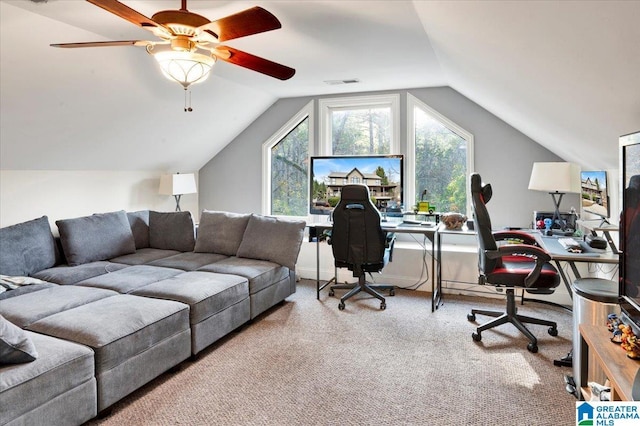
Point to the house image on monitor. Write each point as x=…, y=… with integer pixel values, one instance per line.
x=584, y=414
x=382, y=192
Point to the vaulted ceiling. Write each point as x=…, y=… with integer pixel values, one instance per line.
x=565, y=73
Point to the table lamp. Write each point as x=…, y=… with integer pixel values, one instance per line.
x=556, y=178
x=177, y=185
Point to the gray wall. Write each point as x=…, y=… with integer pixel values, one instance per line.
x=232, y=180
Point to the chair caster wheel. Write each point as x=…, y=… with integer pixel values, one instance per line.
x=471, y=317
x=476, y=337
x=532, y=348
x=383, y=306
x=392, y=292
x=332, y=293
x=341, y=306
x=553, y=331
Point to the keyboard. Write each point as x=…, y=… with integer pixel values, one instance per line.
x=418, y=222
x=570, y=245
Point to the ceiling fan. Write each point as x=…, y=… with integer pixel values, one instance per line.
x=189, y=43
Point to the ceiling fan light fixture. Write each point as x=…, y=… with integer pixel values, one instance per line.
x=185, y=68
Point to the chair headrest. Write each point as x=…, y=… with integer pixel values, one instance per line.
x=355, y=192
x=477, y=186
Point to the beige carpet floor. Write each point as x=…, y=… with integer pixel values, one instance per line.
x=306, y=363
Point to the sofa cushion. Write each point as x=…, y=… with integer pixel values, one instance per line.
x=188, y=261
x=100, y=236
x=139, y=222
x=284, y=239
x=60, y=368
x=65, y=274
x=260, y=273
x=29, y=308
x=206, y=293
x=221, y=232
x=129, y=279
x=117, y=328
x=171, y=231
x=15, y=345
x=144, y=256
x=27, y=247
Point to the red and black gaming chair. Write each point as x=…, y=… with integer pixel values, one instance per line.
x=523, y=265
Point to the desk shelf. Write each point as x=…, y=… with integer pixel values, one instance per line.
x=618, y=368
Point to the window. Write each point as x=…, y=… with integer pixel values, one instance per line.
x=286, y=169
x=360, y=125
x=442, y=160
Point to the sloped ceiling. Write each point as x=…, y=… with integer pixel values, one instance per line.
x=564, y=73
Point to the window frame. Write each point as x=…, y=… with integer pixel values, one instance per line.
x=410, y=184
x=305, y=113
x=327, y=105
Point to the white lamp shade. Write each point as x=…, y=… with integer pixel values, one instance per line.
x=555, y=177
x=178, y=184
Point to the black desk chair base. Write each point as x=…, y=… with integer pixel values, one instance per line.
x=362, y=285
x=512, y=316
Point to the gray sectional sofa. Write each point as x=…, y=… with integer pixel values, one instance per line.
x=119, y=298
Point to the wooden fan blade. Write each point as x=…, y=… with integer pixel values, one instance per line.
x=104, y=43
x=251, y=21
x=252, y=62
x=131, y=15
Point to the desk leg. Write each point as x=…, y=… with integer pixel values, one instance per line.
x=317, y=267
x=436, y=269
x=564, y=277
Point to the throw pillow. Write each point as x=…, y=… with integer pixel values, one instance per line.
x=171, y=231
x=15, y=345
x=27, y=248
x=139, y=222
x=100, y=236
x=276, y=240
x=221, y=232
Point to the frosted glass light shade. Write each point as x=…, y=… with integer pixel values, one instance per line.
x=185, y=68
x=555, y=177
x=178, y=184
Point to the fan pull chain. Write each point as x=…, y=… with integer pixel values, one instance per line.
x=187, y=100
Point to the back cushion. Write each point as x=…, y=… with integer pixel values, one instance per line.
x=276, y=240
x=139, y=222
x=27, y=248
x=97, y=237
x=221, y=232
x=171, y=231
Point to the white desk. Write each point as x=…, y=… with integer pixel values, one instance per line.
x=428, y=231
x=559, y=254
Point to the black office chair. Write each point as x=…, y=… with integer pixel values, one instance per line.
x=359, y=243
x=521, y=265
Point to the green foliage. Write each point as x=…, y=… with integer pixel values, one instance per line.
x=383, y=176
x=289, y=173
x=361, y=131
x=441, y=160
x=333, y=201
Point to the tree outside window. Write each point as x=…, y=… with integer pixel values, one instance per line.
x=441, y=163
x=361, y=131
x=289, y=172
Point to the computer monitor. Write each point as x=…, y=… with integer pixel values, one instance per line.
x=595, y=194
x=383, y=174
x=630, y=229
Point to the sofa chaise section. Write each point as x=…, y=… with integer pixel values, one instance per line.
x=218, y=303
x=135, y=339
x=59, y=387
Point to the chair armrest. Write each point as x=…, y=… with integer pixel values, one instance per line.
x=526, y=238
x=389, y=243
x=539, y=255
